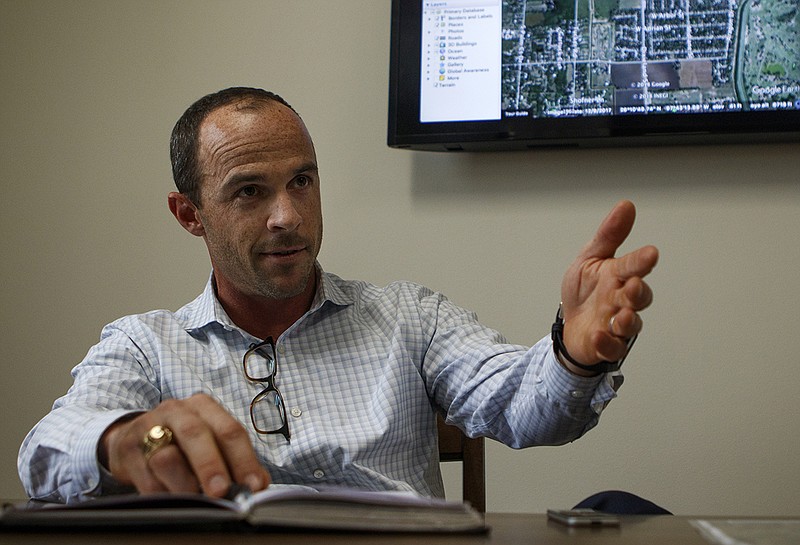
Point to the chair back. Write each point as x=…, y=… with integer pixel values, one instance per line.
x=454, y=446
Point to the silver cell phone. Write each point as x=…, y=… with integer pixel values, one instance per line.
x=582, y=517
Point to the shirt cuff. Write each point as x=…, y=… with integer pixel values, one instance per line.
x=91, y=479
x=575, y=389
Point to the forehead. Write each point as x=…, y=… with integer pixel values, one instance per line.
x=237, y=135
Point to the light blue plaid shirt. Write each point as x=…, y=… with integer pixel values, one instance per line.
x=362, y=373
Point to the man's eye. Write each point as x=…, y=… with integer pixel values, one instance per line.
x=248, y=191
x=302, y=181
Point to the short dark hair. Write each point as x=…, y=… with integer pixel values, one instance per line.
x=184, y=142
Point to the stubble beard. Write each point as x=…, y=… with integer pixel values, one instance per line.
x=270, y=289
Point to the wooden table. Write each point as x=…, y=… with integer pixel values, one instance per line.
x=506, y=529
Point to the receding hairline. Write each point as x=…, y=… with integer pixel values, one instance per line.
x=251, y=105
x=224, y=120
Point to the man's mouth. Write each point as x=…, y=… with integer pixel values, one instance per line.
x=285, y=252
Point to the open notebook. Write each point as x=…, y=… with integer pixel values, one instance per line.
x=279, y=506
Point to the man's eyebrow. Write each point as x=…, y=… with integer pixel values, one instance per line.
x=242, y=178
x=245, y=177
x=307, y=167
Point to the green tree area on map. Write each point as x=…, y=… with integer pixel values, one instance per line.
x=771, y=70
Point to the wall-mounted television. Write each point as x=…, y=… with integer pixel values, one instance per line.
x=515, y=74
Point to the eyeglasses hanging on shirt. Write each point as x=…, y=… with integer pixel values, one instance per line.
x=267, y=409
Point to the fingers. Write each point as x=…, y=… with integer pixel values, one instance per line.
x=637, y=263
x=625, y=324
x=600, y=328
x=193, y=424
x=609, y=347
x=210, y=450
x=635, y=294
x=227, y=448
x=171, y=471
x=613, y=231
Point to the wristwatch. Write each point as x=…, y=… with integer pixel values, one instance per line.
x=557, y=334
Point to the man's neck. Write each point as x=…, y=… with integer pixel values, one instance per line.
x=264, y=317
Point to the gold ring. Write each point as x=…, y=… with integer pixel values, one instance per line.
x=157, y=438
x=611, y=324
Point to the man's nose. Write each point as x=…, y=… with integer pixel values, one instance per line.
x=284, y=215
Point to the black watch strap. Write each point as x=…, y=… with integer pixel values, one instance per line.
x=557, y=334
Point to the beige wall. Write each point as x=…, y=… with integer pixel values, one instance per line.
x=707, y=421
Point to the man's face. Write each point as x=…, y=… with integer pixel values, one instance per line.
x=260, y=202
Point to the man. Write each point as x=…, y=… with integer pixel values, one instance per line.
x=281, y=372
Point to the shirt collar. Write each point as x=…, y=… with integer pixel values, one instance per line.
x=206, y=309
x=330, y=288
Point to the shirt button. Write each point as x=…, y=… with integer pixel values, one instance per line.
x=318, y=474
x=281, y=349
x=576, y=394
x=296, y=412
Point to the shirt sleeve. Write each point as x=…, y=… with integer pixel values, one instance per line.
x=520, y=396
x=58, y=458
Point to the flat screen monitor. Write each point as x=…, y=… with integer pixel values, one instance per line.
x=505, y=74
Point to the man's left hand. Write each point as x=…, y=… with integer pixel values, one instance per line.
x=602, y=295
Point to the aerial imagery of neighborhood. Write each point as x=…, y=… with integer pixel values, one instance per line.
x=602, y=57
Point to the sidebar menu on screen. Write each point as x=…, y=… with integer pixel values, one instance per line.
x=461, y=60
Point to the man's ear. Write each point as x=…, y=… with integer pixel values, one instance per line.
x=186, y=213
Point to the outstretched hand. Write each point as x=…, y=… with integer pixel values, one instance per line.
x=602, y=295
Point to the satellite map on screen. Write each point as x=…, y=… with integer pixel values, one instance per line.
x=602, y=57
